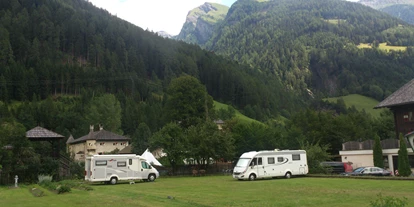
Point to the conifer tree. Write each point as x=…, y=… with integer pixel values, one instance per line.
x=404, y=168
x=378, y=161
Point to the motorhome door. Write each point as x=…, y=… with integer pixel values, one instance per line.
x=99, y=171
x=145, y=169
x=257, y=166
x=133, y=167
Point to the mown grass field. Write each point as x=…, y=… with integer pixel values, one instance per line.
x=239, y=116
x=383, y=46
x=221, y=191
x=361, y=103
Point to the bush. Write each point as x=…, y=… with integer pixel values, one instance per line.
x=389, y=201
x=77, y=170
x=62, y=189
x=36, y=192
x=43, y=178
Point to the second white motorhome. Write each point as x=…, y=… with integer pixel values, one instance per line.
x=112, y=168
x=270, y=164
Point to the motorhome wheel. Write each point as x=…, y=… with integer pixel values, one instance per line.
x=252, y=177
x=288, y=175
x=151, y=177
x=113, y=180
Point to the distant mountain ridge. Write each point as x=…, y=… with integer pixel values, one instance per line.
x=312, y=45
x=201, y=21
x=378, y=4
x=404, y=12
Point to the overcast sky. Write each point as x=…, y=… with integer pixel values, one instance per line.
x=156, y=15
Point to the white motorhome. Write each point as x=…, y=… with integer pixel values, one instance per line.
x=112, y=168
x=270, y=164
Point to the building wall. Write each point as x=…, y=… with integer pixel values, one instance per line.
x=404, y=119
x=92, y=147
x=362, y=158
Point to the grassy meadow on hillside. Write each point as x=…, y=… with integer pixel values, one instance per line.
x=361, y=103
x=383, y=46
x=239, y=116
x=220, y=191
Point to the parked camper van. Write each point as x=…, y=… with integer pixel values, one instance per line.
x=269, y=164
x=112, y=168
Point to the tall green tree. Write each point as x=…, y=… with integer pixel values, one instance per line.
x=106, y=111
x=140, y=139
x=171, y=140
x=188, y=102
x=404, y=168
x=206, y=141
x=377, y=152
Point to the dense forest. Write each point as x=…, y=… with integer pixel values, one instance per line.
x=313, y=45
x=65, y=65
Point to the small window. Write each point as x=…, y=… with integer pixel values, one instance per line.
x=122, y=143
x=115, y=143
x=100, y=163
x=102, y=143
x=296, y=157
x=279, y=159
x=270, y=160
x=259, y=161
x=130, y=161
x=121, y=164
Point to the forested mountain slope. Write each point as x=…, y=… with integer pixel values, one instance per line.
x=64, y=47
x=312, y=44
x=403, y=11
x=379, y=4
x=200, y=23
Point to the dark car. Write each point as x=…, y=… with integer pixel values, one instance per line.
x=368, y=171
x=334, y=167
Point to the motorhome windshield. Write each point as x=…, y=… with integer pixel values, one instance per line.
x=243, y=162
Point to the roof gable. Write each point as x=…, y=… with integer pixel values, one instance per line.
x=403, y=96
x=101, y=135
x=40, y=133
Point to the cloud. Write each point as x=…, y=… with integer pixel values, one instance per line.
x=156, y=15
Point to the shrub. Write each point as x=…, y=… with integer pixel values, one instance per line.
x=43, y=178
x=77, y=169
x=36, y=192
x=62, y=189
x=389, y=201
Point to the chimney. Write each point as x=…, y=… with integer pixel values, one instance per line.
x=100, y=127
x=91, y=128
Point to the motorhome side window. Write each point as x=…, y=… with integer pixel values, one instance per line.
x=121, y=164
x=259, y=161
x=296, y=157
x=100, y=163
x=270, y=160
x=279, y=159
x=130, y=161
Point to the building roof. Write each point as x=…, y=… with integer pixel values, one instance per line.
x=70, y=139
x=40, y=133
x=403, y=96
x=219, y=121
x=101, y=135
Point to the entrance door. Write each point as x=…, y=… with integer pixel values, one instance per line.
x=99, y=171
x=145, y=169
x=261, y=172
x=133, y=168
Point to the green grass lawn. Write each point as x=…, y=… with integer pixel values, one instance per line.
x=239, y=116
x=360, y=102
x=383, y=46
x=221, y=191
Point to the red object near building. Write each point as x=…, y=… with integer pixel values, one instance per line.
x=348, y=167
